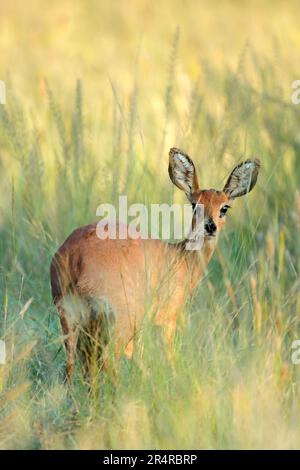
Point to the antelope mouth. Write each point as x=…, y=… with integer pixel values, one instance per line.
x=210, y=236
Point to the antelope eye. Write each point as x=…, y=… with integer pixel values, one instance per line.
x=224, y=210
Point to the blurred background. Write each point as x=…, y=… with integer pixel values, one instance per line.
x=96, y=94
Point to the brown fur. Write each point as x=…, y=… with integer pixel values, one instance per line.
x=135, y=276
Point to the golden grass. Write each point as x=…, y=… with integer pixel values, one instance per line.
x=97, y=92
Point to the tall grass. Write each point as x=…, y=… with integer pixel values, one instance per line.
x=67, y=146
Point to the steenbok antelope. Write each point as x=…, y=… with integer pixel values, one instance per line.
x=94, y=280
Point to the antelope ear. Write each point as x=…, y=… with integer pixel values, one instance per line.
x=182, y=172
x=242, y=179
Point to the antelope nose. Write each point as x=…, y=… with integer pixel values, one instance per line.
x=210, y=227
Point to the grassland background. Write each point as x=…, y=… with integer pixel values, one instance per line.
x=97, y=92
